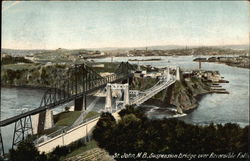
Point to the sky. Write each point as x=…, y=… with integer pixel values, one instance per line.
x=98, y=24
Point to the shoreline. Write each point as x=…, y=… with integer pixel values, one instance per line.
x=156, y=59
x=230, y=65
x=232, y=61
x=188, y=109
x=23, y=87
x=198, y=97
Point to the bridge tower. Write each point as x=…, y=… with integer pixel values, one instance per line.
x=109, y=88
x=126, y=94
x=166, y=73
x=178, y=76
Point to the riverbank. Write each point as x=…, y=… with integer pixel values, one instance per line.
x=185, y=95
x=23, y=87
x=155, y=59
x=234, y=61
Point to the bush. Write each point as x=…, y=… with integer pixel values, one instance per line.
x=61, y=151
x=26, y=151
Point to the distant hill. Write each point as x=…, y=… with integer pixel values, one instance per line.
x=160, y=47
x=163, y=47
x=18, y=52
x=169, y=47
x=237, y=47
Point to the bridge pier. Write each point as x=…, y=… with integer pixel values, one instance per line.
x=49, y=121
x=85, y=102
x=78, y=104
x=45, y=121
x=35, y=122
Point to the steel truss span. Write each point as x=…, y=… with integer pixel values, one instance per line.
x=80, y=80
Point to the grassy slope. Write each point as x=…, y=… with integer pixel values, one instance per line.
x=62, y=119
x=66, y=118
x=91, y=114
x=90, y=145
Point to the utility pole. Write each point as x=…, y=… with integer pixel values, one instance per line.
x=199, y=63
x=138, y=66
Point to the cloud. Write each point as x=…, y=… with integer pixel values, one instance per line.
x=9, y=6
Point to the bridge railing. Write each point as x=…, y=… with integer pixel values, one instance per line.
x=161, y=84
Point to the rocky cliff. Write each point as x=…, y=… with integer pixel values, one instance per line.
x=182, y=94
x=33, y=75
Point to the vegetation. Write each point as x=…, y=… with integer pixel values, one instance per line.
x=91, y=114
x=143, y=83
x=26, y=151
x=13, y=60
x=66, y=118
x=49, y=131
x=136, y=133
x=32, y=74
x=62, y=119
x=90, y=145
x=44, y=75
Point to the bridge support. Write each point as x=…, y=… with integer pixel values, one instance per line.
x=1, y=145
x=45, y=121
x=166, y=73
x=126, y=95
x=23, y=127
x=78, y=104
x=178, y=77
x=85, y=102
x=109, y=88
x=108, y=102
x=49, y=121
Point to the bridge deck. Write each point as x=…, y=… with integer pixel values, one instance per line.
x=145, y=95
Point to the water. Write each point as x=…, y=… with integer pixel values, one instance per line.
x=217, y=108
x=13, y=101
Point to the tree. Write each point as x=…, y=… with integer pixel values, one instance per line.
x=103, y=129
x=134, y=133
x=26, y=151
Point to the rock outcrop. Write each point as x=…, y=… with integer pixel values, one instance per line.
x=182, y=94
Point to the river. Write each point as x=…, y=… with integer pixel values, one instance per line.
x=217, y=108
